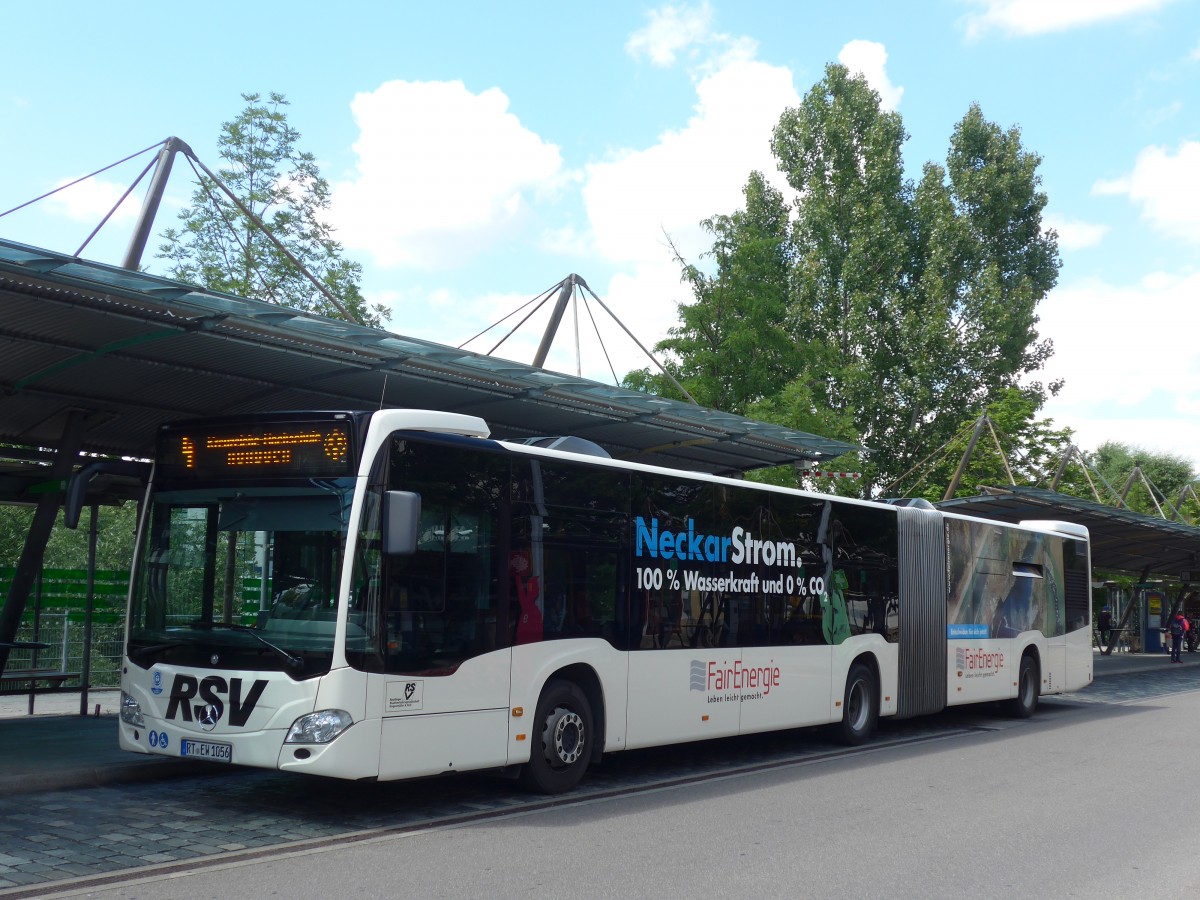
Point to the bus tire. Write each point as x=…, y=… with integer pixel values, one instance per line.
x=1023, y=705
x=860, y=710
x=562, y=740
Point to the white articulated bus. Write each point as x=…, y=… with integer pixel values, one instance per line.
x=393, y=594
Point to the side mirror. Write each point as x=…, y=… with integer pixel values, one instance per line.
x=401, y=522
x=135, y=474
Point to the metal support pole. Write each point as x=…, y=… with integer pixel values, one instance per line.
x=1062, y=467
x=37, y=636
x=86, y=676
x=1003, y=457
x=158, y=186
x=1179, y=501
x=966, y=457
x=1178, y=600
x=230, y=609
x=30, y=563
x=556, y=314
x=1150, y=490
x=1128, y=484
x=1112, y=638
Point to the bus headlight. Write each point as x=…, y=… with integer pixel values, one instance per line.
x=131, y=711
x=319, y=727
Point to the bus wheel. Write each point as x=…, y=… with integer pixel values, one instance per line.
x=860, y=709
x=1026, y=701
x=562, y=740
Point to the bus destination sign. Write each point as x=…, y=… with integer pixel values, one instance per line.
x=279, y=448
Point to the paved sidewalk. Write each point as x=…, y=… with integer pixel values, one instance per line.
x=1124, y=663
x=16, y=706
x=58, y=748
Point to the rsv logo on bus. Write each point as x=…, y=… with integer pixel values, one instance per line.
x=215, y=693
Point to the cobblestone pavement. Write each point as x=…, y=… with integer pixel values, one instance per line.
x=52, y=836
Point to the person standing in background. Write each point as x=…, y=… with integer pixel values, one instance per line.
x=1177, y=628
x=1104, y=626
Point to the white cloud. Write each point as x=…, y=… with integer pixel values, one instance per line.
x=1121, y=386
x=1177, y=435
x=869, y=59
x=638, y=201
x=672, y=29
x=566, y=241
x=646, y=299
x=441, y=173
x=1030, y=17
x=688, y=30
x=638, y=198
x=1167, y=187
x=1074, y=234
x=632, y=201
x=90, y=201
x=1111, y=186
x=692, y=173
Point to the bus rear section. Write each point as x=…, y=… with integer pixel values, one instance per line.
x=1018, y=611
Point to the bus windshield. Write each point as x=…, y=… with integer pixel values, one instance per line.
x=241, y=576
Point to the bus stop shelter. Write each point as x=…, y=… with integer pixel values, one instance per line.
x=94, y=358
x=125, y=352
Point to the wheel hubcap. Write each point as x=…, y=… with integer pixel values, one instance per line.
x=565, y=733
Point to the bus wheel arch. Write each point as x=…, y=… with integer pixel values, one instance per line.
x=565, y=735
x=1029, y=678
x=860, y=705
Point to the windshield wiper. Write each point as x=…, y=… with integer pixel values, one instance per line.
x=294, y=662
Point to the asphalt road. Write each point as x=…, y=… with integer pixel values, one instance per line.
x=1075, y=802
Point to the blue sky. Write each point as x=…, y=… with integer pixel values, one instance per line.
x=479, y=153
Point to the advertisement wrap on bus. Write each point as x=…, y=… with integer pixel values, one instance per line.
x=395, y=594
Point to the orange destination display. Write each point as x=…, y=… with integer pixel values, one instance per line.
x=303, y=448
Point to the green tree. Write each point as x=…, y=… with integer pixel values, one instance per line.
x=841, y=153
x=1166, y=473
x=984, y=262
x=908, y=308
x=1014, y=446
x=731, y=346
x=68, y=548
x=221, y=249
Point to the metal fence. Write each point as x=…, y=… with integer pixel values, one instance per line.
x=66, y=637
x=56, y=615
